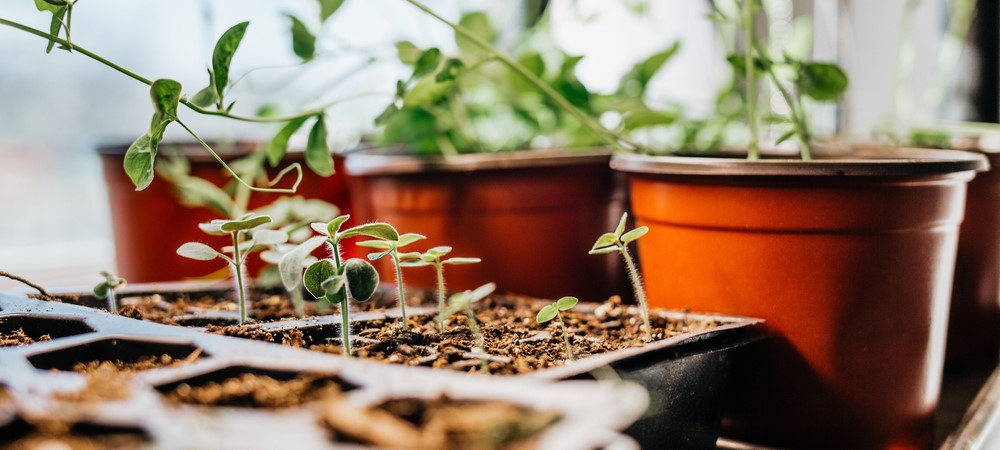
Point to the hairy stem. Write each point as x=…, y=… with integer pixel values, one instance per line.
x=345, y=324
x=238, y=268
x=640, y=294
x=569, y=347
x=399, y=286
x=440, y=281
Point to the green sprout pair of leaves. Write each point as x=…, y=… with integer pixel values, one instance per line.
x=107, y=287
x=617, y=241
x=432, y=258
x=388, y=246
x=462, y=302
x=552, y=311
x=239, y=251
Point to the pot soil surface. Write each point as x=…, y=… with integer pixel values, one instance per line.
x=18, y=337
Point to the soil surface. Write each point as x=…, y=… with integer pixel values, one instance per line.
x=110, y=380
x=47, y=441
x=257, y=391
x=440, y=423
x=18, y=338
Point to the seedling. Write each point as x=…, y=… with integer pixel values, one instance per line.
x=552, y=311
x=239, y=251
x=390, y=247
x=618, y=241
x=106, y=289
x=433, y=257
x=462, y=302
x=273, y=256
x=330, y=279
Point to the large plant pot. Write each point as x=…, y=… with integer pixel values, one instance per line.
x=531, y=216
x=150, y=224
x=974, y=327
x=849, y=260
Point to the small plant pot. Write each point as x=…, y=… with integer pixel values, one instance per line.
x=150, y=225
x=849, y=259
x=206, y=390
x=531, y=216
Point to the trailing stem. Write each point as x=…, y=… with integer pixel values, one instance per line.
x=569, y=347
x=640, y=294
x=44, y=294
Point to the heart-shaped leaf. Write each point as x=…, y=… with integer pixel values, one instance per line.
x=566, y=303
x=222, y=56
x=316, y=274
x=362, y=279
x=634, y=234
x=547, y=313
x=245, y=224
x=197, y=251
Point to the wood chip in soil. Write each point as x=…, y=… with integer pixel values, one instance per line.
x=440, y=423
x=257, y=391
x=18, y=338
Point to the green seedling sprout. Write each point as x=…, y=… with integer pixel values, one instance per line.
x=552, y=311
x=390, y=247
x=329, y=278
x=239, y=251
x=273, y=256
x=618, y=241
x=433, y=257
x=462, y=302
x=106, y=289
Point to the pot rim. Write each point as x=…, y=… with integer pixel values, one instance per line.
x=377, y=162
x=861, y=163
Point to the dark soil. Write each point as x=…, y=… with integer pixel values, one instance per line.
x=52, y=441
x=257, y=391
x=18, y=338
x=440, y=423
x=103, y=369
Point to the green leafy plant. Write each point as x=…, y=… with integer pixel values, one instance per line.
x=617, y=241
x=330, y=278
x=390, y=247
x=107, y=287
x=553, y=311
x=462, y=302
x=239, y=250
x=432, y=258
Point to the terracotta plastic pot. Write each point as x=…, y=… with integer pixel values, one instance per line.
x=149, y=225
x=531, y=216
x=848, y=259
x=974, y=327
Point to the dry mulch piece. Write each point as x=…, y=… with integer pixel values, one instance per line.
x=257, y=391
x=440, y=423
x=18, y=338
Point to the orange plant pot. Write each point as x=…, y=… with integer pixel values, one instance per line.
x=150, y=225
x=531, y=216
x=850, y=262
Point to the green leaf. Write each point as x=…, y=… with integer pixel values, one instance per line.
x=377, y=245
x=139, y=161
x=479, y=24
x=165, y=94
x=318, y=156
x=319, y=227
x=387, y=114
x=822, y=81
x=415, y=263
x=452, y=68
x=427, y=63
x=316, y=274
x=205, y=97
x=268, y=110
x=333, y=284
x=603, y=250
x=534, y=62
x=409, y=255
x=566, y=303
x=643, y=72
x=407, y=52
x=51, y=6
x=195, y=192
x=55, y=25
x=290, y=265
x=333, y=227
x=440, y=250
x=328, y=7
x=482, y=292
x=244, y=224
x=222, y=56
x=784, y=137
x=213, y=228
x=621, y=225
x=362, y=279
x=270, y=237
x=303, y=41
x=458, y=261
x=408, y=238
x=428, y=258
x=380, y=255
x=377, y=230
x=197, y=251
x=738, y=63
x=279, y=145
x=426, y=92
x=101, y=290
x=634, y=234
x=547, y=313
x=605, y=240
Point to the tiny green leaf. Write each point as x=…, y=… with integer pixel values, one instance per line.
x=407, y=52
x=822, y=81
x=101, y=290
x=165, y=94
x=440, y=250
x=378, y=256
x=197, y=251
x=362, y=279
x=316, y=274
x=461, y=261
x=245, y=223
x=333, y=227
x=320, y=228
x=426, y=92
x=605, y=240
x=205, y=97
x=482, y=292
x=634, y=234
x=378, y=245
x=279, y=145
x=270, y=237
x=452, y=68
x=415, y=263
x=386, y=114
x=303, y=41
x=222, y=56
x=328, y=7
x=408, y=238
x=621, y=225
x=333, y=284
x=428, y=258
x=566, y=303
x=55, y=25
x=427, y=63
x=318, y=156
x=547, y=313
x=213, y=228
x=479, y=24
x=786, y=136
x=603, y=250
x=290, y=265
x=377, y=230
x=409, y=255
